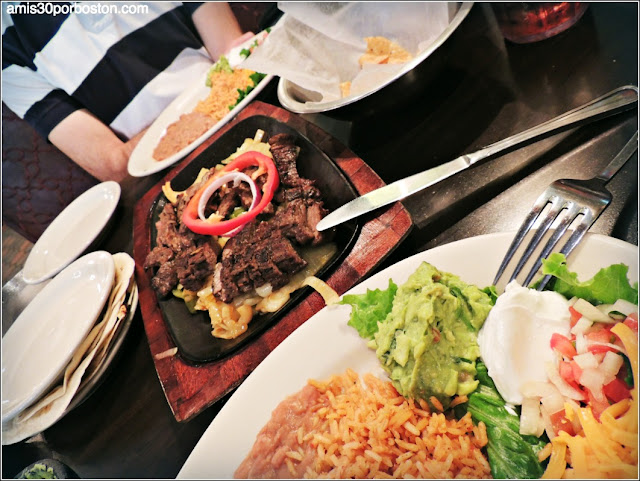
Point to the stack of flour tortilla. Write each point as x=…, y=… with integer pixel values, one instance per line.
x=86, y=361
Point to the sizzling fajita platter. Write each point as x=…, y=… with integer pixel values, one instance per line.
x=228, y=258
x=233, y=238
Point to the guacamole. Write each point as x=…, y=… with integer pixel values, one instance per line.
x=428, y=342
x=38, y=471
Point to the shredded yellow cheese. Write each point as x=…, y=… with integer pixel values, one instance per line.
x=601, y=449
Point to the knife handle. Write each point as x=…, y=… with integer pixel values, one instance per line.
x=615, y=101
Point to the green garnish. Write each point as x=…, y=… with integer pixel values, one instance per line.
x=245, y=52
x=367, y=309
x=511, y=454
x=492, y=292
x=189, y=299
x=607, y=286
x=236, y=212
x=628, y=379
x=256, y=78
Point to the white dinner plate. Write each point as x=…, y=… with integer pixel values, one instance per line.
x=71, y=232
x=141, y=162
x=325, y=345
x=40, y=343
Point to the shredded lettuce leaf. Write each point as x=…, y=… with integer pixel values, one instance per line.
x=511, y=454
x=367, y=309
x=492, y=292
x=607, y=286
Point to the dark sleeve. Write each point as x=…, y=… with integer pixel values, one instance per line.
x=45, y=114
x=191, y=7
x=34, y=99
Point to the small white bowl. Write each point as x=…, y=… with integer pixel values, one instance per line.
x=40, y=343
x=72, y=232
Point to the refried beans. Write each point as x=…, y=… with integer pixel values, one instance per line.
x=181, y=133
x=278, y=440
x=224, y=93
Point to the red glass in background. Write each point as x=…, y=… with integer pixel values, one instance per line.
x=530, y=22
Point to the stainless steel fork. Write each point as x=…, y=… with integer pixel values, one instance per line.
x=568, y=198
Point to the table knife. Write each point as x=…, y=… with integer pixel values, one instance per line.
x=616, y=101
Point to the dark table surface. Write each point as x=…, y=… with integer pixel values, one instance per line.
x=486, y=90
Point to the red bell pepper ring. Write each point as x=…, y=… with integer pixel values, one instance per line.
x=190, y=216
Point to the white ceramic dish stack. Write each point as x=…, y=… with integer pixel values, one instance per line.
x=72, y=232
x=40, y=343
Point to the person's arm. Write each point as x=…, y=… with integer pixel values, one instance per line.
x=93, y=145
x=218, y=28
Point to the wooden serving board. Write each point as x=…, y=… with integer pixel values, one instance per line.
x=191, y=388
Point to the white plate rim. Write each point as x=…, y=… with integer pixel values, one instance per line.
x=141, y=162
x=109, y=189
x=231, y=434
x=94, y=264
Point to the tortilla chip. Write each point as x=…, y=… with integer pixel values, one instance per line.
x=373, y=58
x=399, y=57
x=378, y=45
x=381, y=50
x=345, y=88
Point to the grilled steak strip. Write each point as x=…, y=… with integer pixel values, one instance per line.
x=180, y=255
x=258, y=255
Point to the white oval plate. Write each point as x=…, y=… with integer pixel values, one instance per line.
x=325, y=345
x=72, y=232
x=40, y=343
x=141, y=162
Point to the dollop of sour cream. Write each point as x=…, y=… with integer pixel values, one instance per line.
x=515, y=338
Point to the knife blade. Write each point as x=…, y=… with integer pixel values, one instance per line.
x=398, y=190
x=616, y=101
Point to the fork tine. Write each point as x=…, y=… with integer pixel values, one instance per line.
x=539, y=204
x=557, y=205
x=572, y=242
x=572, y=213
